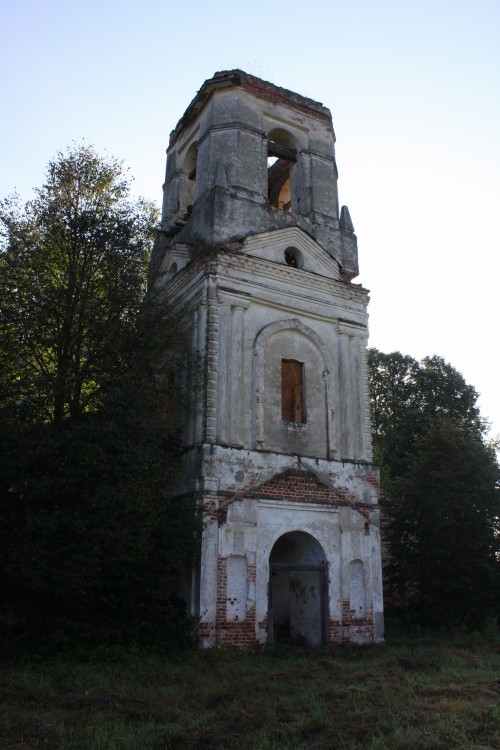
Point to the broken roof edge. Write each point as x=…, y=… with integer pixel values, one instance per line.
x=253, y=84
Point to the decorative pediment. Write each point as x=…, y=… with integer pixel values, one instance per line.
x=176, y=258
x=295, y=485
x=293, y=247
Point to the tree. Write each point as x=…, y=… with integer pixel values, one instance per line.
x=440, y=482
x=406, y=395
x=89, y=540
x=444, y=532
x=72, y=278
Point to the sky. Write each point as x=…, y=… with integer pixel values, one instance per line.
x=414, y=91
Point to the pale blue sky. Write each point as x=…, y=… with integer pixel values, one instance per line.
x=414, y=90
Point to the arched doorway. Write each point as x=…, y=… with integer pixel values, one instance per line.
x=297, y=590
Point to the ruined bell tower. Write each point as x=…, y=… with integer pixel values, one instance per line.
x=277, y=445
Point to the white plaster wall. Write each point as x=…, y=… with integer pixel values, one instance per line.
x=232, y=470
x=253, y=527
x=275, y=519
x=325, y=361
x=241, y=297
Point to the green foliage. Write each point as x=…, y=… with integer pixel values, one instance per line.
x=89, y=417
x=73, y=266
x=440, y=483
x=406, y=396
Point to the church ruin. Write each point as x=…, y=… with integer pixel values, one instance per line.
x=277, y=445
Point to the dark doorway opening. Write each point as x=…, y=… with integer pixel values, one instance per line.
x=298, y=584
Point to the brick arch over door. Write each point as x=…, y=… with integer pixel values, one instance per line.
x=292, y=340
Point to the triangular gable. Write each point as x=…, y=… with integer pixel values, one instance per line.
x=292, y=486
x=175, y=259
x=295, y=485
x=272, y=245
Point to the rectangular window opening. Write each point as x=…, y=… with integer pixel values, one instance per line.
x=292, y=391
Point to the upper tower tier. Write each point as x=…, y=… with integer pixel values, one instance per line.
x=248, y=157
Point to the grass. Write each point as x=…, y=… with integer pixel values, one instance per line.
x=423, y=694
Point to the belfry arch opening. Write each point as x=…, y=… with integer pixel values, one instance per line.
x=189, y=171
x=297, y=590
x=281, y=157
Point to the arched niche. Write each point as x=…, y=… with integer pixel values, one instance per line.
x=277, y=346
x=357, y=588
x=297, y=590
x=237, y=588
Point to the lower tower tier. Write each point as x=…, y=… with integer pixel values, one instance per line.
x=290, y=550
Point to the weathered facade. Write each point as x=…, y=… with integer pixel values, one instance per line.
x=277, y=443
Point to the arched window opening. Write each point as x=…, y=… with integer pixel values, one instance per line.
x=281, y=156
x=189, y=167
x=171, y=272
x=189, y=170
x=292, y=391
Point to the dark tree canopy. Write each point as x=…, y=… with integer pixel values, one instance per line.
x=89, y=434
x=441, y=496
x=406, y=396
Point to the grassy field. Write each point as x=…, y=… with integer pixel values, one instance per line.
x=421, y=694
